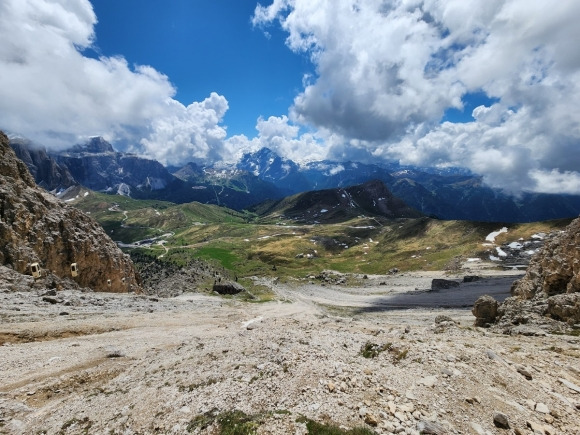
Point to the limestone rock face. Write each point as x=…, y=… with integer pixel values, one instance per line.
x=35, y=227
x=550, y=289
x=555, y=269
x=46, y=172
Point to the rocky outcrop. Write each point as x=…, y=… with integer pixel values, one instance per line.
x=46, y=171
x=96, y=165
x=550, y=289
x=556, y=268
x=35, y=227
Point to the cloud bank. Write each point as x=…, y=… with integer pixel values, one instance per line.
x=387, y=72
x=386, y=75
x=56, y=95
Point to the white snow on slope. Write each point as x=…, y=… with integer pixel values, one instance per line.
x=491, y=236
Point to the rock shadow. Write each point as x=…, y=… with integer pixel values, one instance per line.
x=463, y=296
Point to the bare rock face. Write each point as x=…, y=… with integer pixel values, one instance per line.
x=35, y=227
x=550, y=290
x=555, y=269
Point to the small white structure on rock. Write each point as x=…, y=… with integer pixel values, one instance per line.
x=35, y=269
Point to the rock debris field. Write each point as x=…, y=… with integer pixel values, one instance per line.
x=383, y=356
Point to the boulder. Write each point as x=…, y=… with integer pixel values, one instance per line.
x=485, y=310
x=565, y=307
x=228, y=288
x=441, y=284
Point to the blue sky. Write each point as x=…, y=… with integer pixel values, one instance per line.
x=488, y=85
x=206, y=46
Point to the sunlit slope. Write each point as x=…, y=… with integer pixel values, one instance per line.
x=272, y=244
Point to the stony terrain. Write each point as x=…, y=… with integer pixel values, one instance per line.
x=80, y=362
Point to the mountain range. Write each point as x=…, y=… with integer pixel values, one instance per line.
x=451, y=193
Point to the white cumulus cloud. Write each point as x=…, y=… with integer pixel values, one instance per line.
x=282, y=136
x=54, y=94
x=387, y=72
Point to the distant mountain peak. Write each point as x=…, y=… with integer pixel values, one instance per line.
x=95, y=145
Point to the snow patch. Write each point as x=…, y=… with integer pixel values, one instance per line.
x=491, y=236
x=501, y=252
x=530, y=252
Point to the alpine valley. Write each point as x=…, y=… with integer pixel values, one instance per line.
x=264, y=176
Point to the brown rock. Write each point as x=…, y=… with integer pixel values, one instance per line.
x=565, y=307
x=36, y=227
x=555, y=269
x=485, y=310
x=371, y=420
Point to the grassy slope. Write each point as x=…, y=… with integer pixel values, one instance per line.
x=248, y=246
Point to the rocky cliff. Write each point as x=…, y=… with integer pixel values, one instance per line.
x=550, y=289
x=35, y=227
x=46, y=171
x=556, y=269
x=96, y=165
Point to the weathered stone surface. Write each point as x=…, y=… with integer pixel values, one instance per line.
x=35, y=227
x=550, y=290
x=555, y=269
x=565, y=307
x=485, y=310
x=431, y=427
x=228, y=288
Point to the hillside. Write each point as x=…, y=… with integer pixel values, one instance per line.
x=338, y=205
x=249, y=244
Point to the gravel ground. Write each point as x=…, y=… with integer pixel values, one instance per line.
x=75, y=363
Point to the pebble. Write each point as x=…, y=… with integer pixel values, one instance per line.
x=541, y=407
x=477, y=429
x=428, y=381
x=431, y=428
x=371, y=420
x=530, y=404
x=331, y=387
x=501, y=420
x=524, y=372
